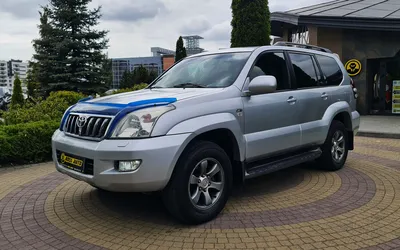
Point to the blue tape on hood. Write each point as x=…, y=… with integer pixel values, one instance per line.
x=115, y=109
x=108, y=108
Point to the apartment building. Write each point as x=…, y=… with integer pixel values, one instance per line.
x=9, y=70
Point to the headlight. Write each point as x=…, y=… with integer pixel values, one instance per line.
x=140, y=123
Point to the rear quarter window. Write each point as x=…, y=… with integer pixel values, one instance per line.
x=331, y=70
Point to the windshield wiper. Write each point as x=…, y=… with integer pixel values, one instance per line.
x=188, y=84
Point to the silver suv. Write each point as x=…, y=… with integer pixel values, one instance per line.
x=212, y=121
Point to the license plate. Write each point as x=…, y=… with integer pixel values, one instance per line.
x=71, y=162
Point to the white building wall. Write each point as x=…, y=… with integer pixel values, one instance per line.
x=8, y=72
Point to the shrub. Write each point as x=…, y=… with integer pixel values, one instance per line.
x=48, y=110
x=134, y=88
x=26, y=143
x=69, y=96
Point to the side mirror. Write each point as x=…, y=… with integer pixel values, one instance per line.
x=262, y=85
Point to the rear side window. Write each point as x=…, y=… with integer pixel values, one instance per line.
x=331, y=70
x=304, y=69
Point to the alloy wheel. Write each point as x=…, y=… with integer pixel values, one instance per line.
x=206, y=183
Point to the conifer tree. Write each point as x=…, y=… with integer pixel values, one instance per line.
x=180, y=52
x=70, y=49
x=17, y=98
x=126, y=80
x=250, y=23
x=44, y=58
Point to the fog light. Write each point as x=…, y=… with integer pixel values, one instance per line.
x=128, y=166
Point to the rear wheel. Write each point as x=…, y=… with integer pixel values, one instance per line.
x=201, y=184
x=335, y=148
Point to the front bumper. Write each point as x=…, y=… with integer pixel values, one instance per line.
x=158, y=155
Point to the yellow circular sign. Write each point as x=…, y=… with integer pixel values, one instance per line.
x=353, y=67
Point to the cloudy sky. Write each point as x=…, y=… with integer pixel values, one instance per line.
x=134, y=25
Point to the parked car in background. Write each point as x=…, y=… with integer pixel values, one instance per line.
x=211, y=122
x=5, y=99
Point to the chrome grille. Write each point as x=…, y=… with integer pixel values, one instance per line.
x=87, y=126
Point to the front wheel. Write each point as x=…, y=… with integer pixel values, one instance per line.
x=200, y=185
x=335, y=148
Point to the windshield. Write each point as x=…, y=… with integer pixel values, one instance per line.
x=210, y=71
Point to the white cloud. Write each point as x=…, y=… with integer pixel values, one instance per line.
x=134, y=26
x=195, y=25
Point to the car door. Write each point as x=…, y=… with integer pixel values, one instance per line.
x=332, y=78
x=271, y=120
x=312, y=100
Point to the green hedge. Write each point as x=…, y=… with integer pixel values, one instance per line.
x=26, y=135
x=27, y=142
x=48, y=110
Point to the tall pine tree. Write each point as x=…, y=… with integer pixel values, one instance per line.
x=180, y=52
x=45, y=56
x=76, y=52
x=250, y=23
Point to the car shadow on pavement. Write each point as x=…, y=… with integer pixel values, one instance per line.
x=149, y=208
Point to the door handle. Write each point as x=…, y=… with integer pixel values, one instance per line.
x=324, y=96
x=292, y=100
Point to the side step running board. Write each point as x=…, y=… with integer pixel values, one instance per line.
x=282, y=164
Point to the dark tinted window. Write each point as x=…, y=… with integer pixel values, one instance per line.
x=306, y=76
x=272, y=64
x=330, y=69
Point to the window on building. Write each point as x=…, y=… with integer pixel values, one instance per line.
x=272, y=64
x=304, y=69
x=331, y=70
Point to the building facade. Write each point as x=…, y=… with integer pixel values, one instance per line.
x=8, y=72
x=120, y=65
x=365, y=34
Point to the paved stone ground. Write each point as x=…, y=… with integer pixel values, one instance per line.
x=299, y=208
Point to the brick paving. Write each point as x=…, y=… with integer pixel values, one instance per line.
x=298, y=208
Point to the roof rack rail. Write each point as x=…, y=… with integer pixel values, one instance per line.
x=306, y=46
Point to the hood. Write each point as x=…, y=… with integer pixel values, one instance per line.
x=148, y=94
x=112, y=105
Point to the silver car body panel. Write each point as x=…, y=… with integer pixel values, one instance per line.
x=158, y=156
x=262, y=125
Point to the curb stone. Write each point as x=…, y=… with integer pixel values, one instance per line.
x=378, y=135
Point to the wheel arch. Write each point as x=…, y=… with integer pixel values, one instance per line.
x=227, y=141
x=224, y=131
x=344, y=117
x=341, y=111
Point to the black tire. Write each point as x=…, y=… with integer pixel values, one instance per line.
x=327, y=160
x=176, y=195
